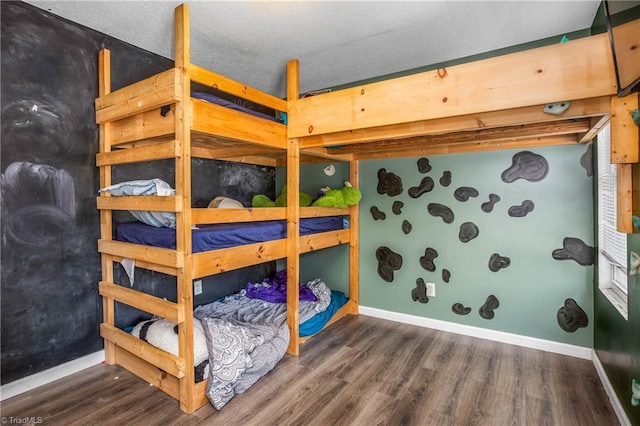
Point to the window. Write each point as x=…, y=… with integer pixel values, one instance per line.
x=612, y=253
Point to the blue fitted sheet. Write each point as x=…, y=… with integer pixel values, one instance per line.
x=223, y=235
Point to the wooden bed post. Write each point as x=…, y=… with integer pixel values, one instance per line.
x=354, y=243
x=106, y=216
x=183, y=192
x=293, y=218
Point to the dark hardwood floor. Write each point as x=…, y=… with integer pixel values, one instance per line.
x=360, y=371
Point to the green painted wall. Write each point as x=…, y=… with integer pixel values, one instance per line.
x=531, y=289
x=331, y=264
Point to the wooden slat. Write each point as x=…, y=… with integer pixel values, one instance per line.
x=153, y=92
x=237, y=151
x=255, y=160
x=322, y=211
x=627, y=37
x=578, y=69
x=160, y=256
x=223, y=260
x=148, y=372
x=593, y=107
x=511, y=133
x=145, y=302
x=211, y=215
x=471, y=147
x=596, y=124
x=225, y=84
x=201, y=398
x=144, y=202
x=236, y=125
x=161, y=359
x=147, y=125
x=163, y=269
x=624, y=211
x=158, y=151
x=325, y=154
x=625, y=142
x=323, y=240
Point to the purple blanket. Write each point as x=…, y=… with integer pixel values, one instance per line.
x=274, y=289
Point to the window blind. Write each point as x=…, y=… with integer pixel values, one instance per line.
x=612, y=243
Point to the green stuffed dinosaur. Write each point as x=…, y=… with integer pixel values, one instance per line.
x=341, y=198
x=262, y=200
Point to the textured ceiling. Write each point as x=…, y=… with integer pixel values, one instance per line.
x=337, y=42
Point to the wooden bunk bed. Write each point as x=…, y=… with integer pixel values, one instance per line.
x=493, y=104
x=156, y=119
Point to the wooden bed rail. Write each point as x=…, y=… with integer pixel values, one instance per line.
x=225, y=84
x=161, y=359
x=156, y=91
x=154, y=305
x=578, y=69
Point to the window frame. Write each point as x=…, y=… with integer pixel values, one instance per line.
x=612, y=263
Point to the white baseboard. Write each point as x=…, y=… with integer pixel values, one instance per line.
x=483, y=333
x=31, y=382
x=611, y=393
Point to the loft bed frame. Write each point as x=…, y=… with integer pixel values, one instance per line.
x=135, y=126
x=492, y=104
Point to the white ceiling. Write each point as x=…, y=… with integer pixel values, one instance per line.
x=337, y=42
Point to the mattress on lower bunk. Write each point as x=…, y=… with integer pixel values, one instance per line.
x=239, y=339
x=223, y=235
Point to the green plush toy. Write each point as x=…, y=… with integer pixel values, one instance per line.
x=341, y=198
x=261, y=200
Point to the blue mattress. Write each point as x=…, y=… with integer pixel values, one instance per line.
x=223, y=235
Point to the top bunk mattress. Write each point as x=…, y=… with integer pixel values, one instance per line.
x=223, y=235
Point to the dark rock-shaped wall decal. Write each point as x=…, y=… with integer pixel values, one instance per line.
x=389, y=183
x=426, y=185
x=526, y=165
x=468, y=231
x=586, y=160
x=420, y=292
x=488, y=206
x=397, y=207
x=388, y=261
x=377, y=214
x=406, y=227
x=464, y=193
x=571, y=316
x=446, y=275
x=426, y=261
x=575, y=249
x=442, y=211
x=492, y=303
x=423, y=165
x=460, y=309
x=497, y=262
x=522, y=210
x=445, y=180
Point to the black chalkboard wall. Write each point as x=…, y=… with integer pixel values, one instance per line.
x=50, y=307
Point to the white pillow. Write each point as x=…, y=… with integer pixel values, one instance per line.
x=225, y=203
x=146, y=187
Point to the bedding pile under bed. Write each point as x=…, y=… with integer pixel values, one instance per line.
x=241, y=337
